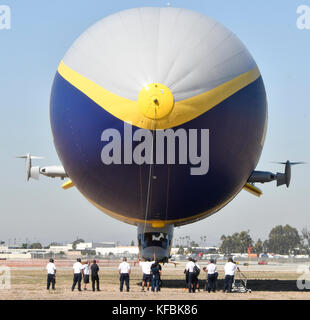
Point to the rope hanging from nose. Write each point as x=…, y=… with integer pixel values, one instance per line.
x=149, y=188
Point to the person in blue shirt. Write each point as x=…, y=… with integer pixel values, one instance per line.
x=156, y=273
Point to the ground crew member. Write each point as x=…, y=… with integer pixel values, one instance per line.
x=216, y=284
x=124, y=272
x=229, y=269
x=156, y=273
x=77, y=274
x=94, y=275
x=195, y=277
x=51, y=274
x=186, y=277
x=146, y=269
x=86, y=272
x=190, y=269
x=211, y=275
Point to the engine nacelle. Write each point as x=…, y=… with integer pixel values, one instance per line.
x=53, y=171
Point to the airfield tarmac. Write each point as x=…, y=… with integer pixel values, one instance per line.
x=268, y=282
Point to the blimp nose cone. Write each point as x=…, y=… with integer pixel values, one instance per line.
x=155, y=101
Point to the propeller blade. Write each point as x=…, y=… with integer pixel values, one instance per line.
x=291, y=163
x=30, y=171
x=295, y=163
x=26, y=156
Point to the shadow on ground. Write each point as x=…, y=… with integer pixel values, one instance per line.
x=254, y=285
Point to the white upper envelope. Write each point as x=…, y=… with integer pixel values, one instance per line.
x=188, y=52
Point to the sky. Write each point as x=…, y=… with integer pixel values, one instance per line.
x=41, y=33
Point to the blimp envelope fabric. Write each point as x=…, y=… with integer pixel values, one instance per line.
x=188, y=52
x=215, y=84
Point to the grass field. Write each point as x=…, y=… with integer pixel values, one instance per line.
x=266, y=282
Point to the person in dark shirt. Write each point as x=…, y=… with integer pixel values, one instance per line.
x=156, y=273
x=94, y=275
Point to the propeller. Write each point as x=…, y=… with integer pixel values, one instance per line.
x=285, y=178
x=32, y=172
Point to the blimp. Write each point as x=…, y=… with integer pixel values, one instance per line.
x=159, y=117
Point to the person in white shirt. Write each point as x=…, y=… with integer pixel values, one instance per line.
x=191, y=277
x=86, y=272
x=124, y=272
x=211, y=275
x=51, y=274
x=146, y=269
x=229, y=269
x=77, y=274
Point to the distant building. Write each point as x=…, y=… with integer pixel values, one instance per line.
x=117, y=251
x=73, y=254
x=205, y=250
x=58, y=249
x=12, y=255
x=3, y=249
x=94, y=245
x=84, y=246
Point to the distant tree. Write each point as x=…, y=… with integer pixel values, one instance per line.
x=132, y=243
x=305, y=239
x=258, y=247
x=74, y=243
x=181, y=250
x=283, y=240
x=91, y=252
x=88, y=252
x=2, y=243
x=187, y=238
x=266, y=246
x=245, y=241
x=189, y=250
x=36, y=245
x=193, y=244
x=226, y=245
x=24, y=246
x=238, y=242
x=203, y=240
x=305, y=234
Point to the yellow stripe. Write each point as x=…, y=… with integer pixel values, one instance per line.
x=128, y=111
x=159, y=223
x=265, y=127
x=252, y=189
